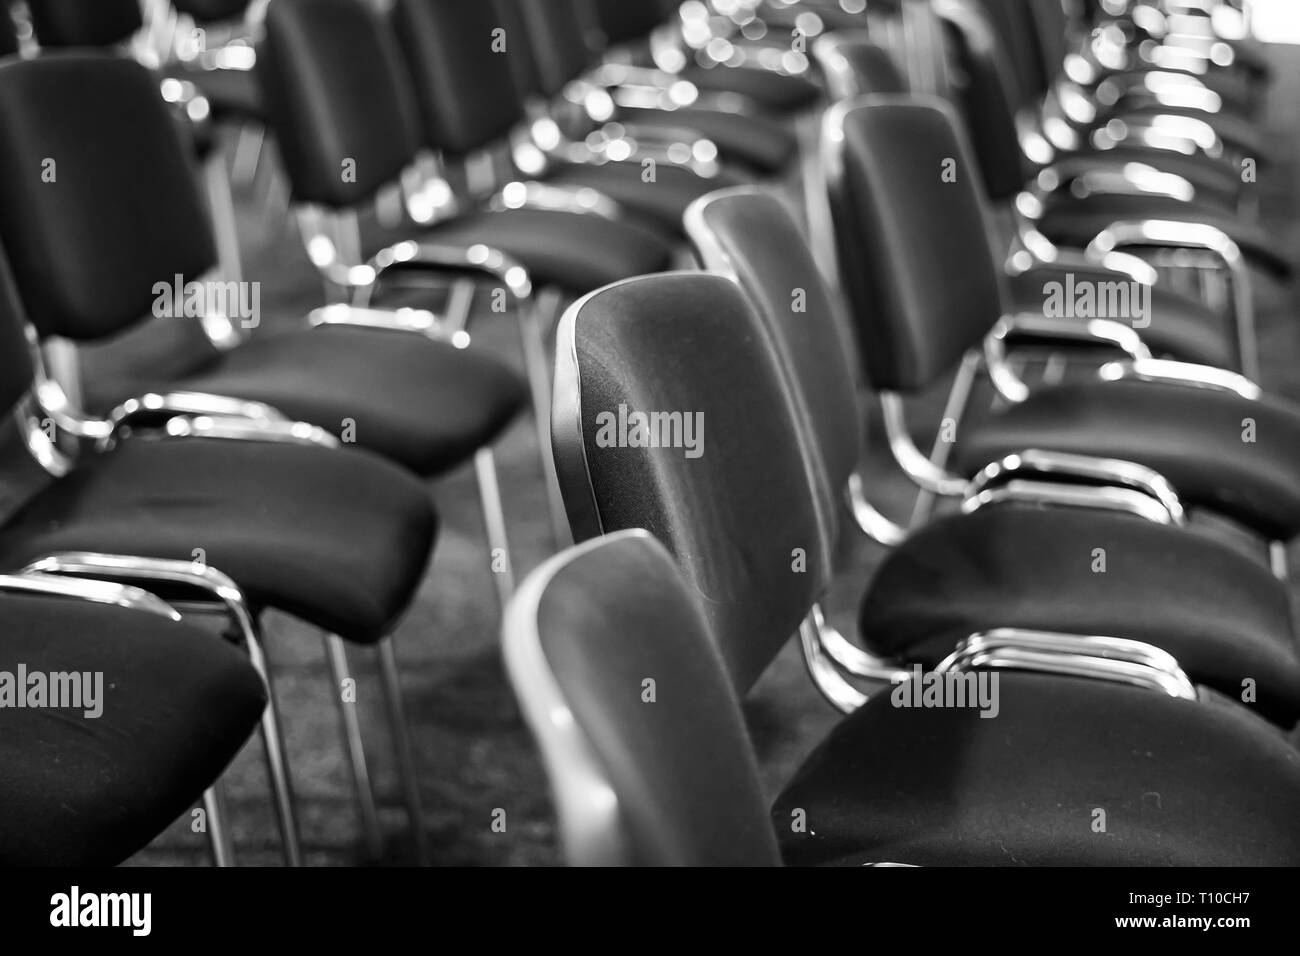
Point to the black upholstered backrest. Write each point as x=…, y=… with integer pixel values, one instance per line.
x=557, y=32
x=99, y=197
x=16, y=370
x=8, y=34
x=338, y=99
x=751, y=234
x=457, y=52
x=212, y=11
x=855, y=66
x=650, y=764
x=80, y=23
x=988, y=97
x=1018, y=32
x=736, y=508
x=1052, y=26
x=922, y=279
x=627, y=21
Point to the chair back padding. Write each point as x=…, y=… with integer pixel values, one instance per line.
x=212, y=11
x=916, y=261
x=16, y=369
x=99, y=195
x=622, y=638
x=740, y=518
x=628, y=21
x=752, y=235
x=1052, y=28
x=988, y=98
x=855, y=66
x=82, y=23
x=557, y=32
x=1018, y=32
x=466, y=96
x=337, y=98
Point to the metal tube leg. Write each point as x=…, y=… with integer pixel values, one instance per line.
x=1277, y=560
x=336, y=654
x=954, y=409
x=494, y=523
x=277, y=766
x=532, y=333
x=224, y=226
x=402, y=744
x=248, y=153
x=219, y=841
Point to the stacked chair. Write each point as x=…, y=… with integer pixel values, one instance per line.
x=786, y=230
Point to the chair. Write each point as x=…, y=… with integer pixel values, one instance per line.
x=173, y=707
x=1023, y=551
x=245, y=511
x=737, y=520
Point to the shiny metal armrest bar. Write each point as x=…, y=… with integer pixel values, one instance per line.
x=87, y=589
x=416, y=321
x=1182, y=373
x=1084, y=331
x=1113, y=659
x=580, y=200
x=1058, y=495
x=244, y=429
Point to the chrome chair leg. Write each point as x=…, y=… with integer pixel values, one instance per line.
x=1277, y=560
x=392, y=682
x=336, y=654
x=533, y=323
x=494, y=524
x=277, y=765
x=221, y=204
x=219, y=840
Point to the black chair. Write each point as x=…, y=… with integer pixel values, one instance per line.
x=1023, y=551
x=391, y=383
x=1220, y=441
x=1180, y=326
x=330, y=123
x=245, y=511
x=470, y=106
x=91, y=785
x=563, y=71
x=743, y=524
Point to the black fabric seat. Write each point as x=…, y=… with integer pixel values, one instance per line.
x=178, y=703
x=763, y=144
x=1221, y=614
x=338, y=538
x=1182, y=783
x=425, y=404
x=1070, y=221
x=1192, y=436
x=1180, y=326
x=567, y=249
x=664, y=200
x=772, y=91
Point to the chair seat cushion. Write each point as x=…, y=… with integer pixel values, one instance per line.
x=1221, y=613
x=1217, y=178
x=1180, y=783
x=177, y=704
x=576, y=252
x=764, y=145
x=339, y=538
x=1220, y=451
x=1180, y=327
x=425, y=404
x=663, y=200
x=772, y=91
x=1076, y=222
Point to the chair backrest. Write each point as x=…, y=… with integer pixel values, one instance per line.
x=84, y=23
x=640, y=732
x=212, y=11
x=751, y=235
x=923, y=282
x=1018, y=32
x=630, y=21
x=557, y=33
x=1053, y=28
x=717, y=473
x=99, y=197
x=855, y=66
x=457, y=52
x=338, y=99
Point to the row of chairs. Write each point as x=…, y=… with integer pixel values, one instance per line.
x=282, y=468
x=1170, y=669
